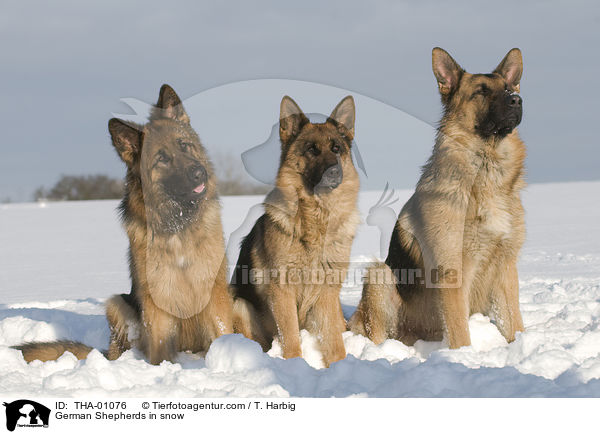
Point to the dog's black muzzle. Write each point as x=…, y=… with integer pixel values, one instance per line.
x=504, y=115
x=187, y=184
x=332, y=177
x=514, y=104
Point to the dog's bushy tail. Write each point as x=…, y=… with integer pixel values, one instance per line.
x=45, y=351
x=378, y=313
x=122, y=320
x=246, y=322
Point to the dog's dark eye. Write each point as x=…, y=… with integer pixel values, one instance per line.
x=163, y=157
x=335, y=148
x=314, y=150
x=483, y=90
x=184, y=146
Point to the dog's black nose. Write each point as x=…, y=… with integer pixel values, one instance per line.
x=332, y=177
x=333, y=172
x=196, y=173
x=514, y=100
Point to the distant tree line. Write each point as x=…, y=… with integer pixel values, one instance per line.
x=87, y=187
x=232, y=181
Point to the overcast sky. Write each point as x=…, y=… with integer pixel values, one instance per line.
x=66, y=64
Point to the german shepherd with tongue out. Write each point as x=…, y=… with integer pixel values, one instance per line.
x=179, y=298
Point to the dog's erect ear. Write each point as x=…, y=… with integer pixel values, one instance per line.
x=291, y=120
x=511, y=68
x=344, y=113
x=126, y=139
x=171, y=105
x=447, y=72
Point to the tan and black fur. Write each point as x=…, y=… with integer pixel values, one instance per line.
x=455, y=245
x=305, y=233
x=179, y=297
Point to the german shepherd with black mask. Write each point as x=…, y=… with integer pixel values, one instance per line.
x=455, y=245
x=293, y=262
x=179, y=297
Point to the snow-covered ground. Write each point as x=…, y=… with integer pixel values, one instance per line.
x=61, y=260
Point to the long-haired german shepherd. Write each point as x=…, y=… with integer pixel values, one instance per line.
x=179, y=297
x=454, y=249
x=291, y=265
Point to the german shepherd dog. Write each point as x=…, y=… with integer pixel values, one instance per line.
x=291, y=265
x=179, y=297
x=461, y=232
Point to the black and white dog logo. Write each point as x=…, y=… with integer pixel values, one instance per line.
x=26, y=413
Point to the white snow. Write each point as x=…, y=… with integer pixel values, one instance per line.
x=60, y=261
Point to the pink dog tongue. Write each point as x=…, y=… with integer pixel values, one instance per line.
x=199, y=189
